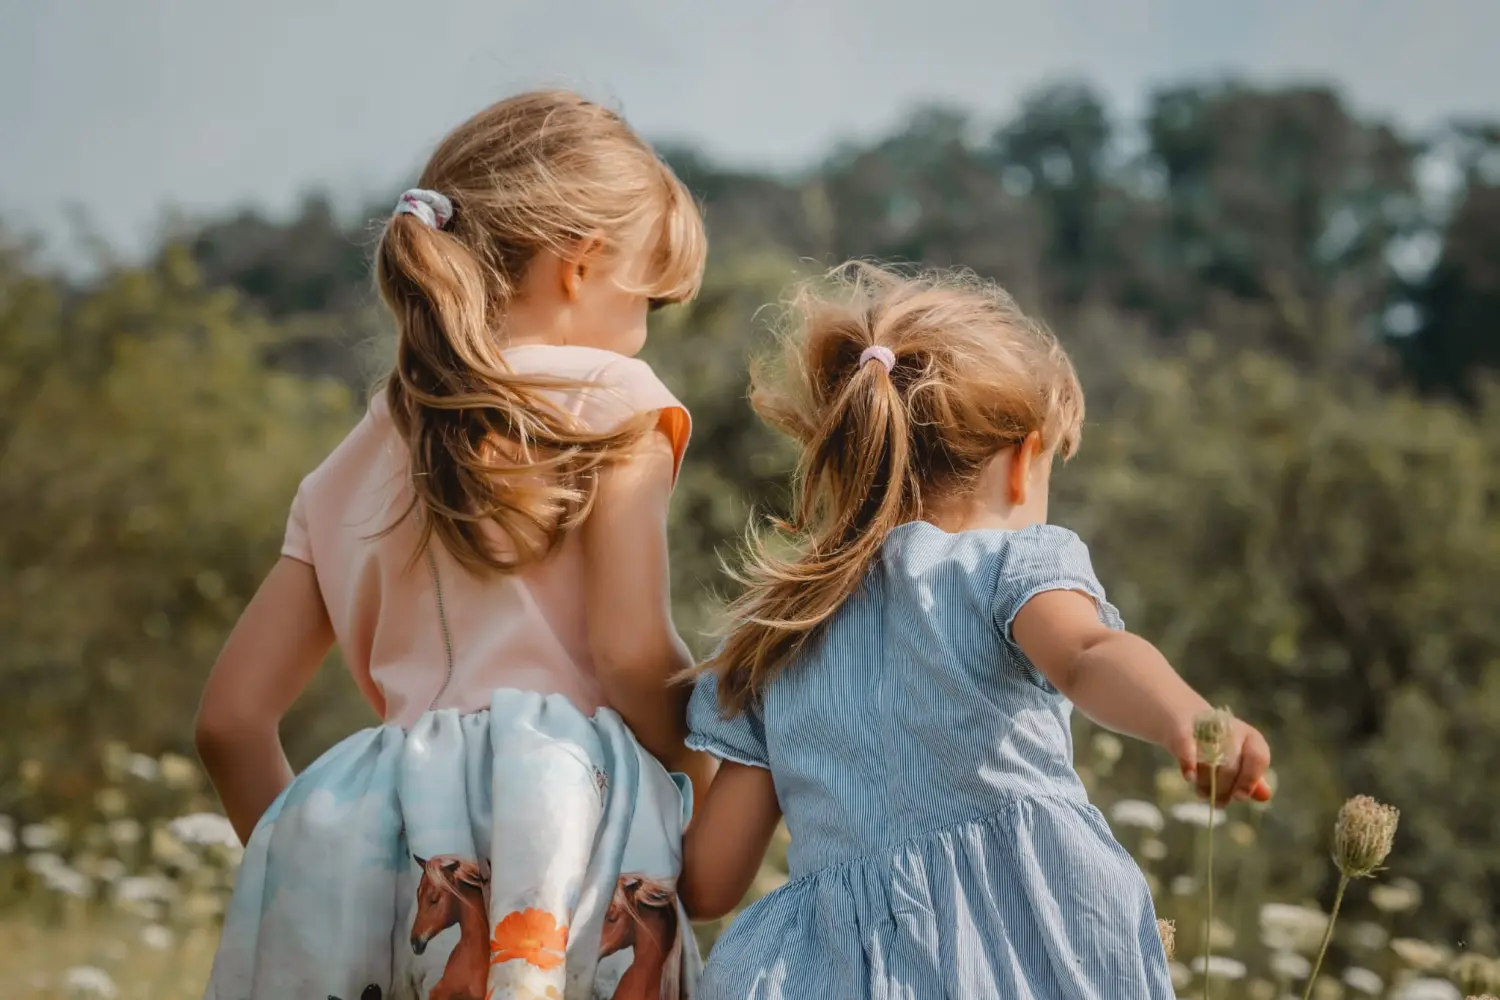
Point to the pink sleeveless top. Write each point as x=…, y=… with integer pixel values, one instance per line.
x=525, y=630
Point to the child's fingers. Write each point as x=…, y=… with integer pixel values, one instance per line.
x=1262, y=791
x=1229, y=783
x=1255, y=759
x=1218, y=782
x=1185, y=749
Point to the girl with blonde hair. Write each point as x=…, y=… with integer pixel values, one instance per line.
x=487, y=548
x=901, y=670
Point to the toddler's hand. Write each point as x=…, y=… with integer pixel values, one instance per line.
x=1241, y=775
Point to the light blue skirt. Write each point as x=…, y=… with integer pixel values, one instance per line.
x=527, y=851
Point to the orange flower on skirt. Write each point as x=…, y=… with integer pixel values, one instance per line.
x=530, y=935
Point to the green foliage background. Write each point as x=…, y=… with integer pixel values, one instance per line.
x=1289, y=476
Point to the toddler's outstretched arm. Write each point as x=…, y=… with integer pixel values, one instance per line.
x=272, y=654
x=1123, y=682
x=635, y=646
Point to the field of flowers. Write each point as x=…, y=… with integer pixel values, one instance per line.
x=127, y=904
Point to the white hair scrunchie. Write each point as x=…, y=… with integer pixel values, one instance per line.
x=435, y=210
x=878, y=352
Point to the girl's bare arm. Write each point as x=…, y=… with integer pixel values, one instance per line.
x=277, y=645
x=1123, y=682
x=636, y=649
x=723, y=848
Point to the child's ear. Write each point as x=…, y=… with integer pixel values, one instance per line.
x=1022, y=464
x=576, y=265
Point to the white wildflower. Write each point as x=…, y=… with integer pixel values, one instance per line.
x=1153, y=850
x=7, y=841
x=167, y=849
x=42, y=862
x=1363, y=981
x=1170, y=786
x=1420, y=954
x=1108, y=747
x=1184, y=885
x=1367, y=935
x=156, y=937
x=1399, y=895
x=125, y=832
x=145, y=889
x=87, y=981
x=1290, y=965
x=143, y=767
x=1219, y=967
x=1197, y=813
x=68, y=881
x=1137, y=813
x=40, y=836
x=1284, y=927
x=1221, y=935
x=1181, y=975
x=1426, y=989
x=204, y=906
x=1259, y=989
x=178, y=772
x=204, y=830
x=110, y=869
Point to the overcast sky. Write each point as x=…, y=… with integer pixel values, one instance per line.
x=125, y=107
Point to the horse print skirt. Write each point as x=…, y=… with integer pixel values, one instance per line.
x=528, y=851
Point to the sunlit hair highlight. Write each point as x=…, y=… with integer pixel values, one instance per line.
x=542, y=171
x=972, y=376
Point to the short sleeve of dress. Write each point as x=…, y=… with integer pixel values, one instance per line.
x=297, y=544
x=1038, y=559
x=741, y=739
x=626, y=387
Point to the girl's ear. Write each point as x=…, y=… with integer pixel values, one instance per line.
x=576, y=265
x=1023, y=461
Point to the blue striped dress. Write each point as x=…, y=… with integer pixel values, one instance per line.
x=941, y=843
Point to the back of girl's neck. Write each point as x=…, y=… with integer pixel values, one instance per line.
x=532, y=323
x=984, y=521
x=531, y=338
x=978, y=513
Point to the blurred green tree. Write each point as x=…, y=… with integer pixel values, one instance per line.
x=149, y=456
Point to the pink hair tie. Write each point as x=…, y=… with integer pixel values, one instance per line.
x=878, y=352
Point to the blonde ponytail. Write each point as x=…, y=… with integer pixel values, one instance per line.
x=541, y=171
x=970, y=375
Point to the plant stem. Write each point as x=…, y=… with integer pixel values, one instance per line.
x=1338, y=900
x=1208, y=920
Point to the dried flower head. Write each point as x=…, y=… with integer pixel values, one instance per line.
x=1363, y=835
x=1476, y=974
x=1168, y=931
x=1211, y=731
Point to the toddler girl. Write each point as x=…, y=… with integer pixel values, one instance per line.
x=899, y=680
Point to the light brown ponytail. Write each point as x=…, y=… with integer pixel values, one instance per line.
x=971, y=376
x=541, y=171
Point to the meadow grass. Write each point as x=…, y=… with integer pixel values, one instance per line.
x=127, y=902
